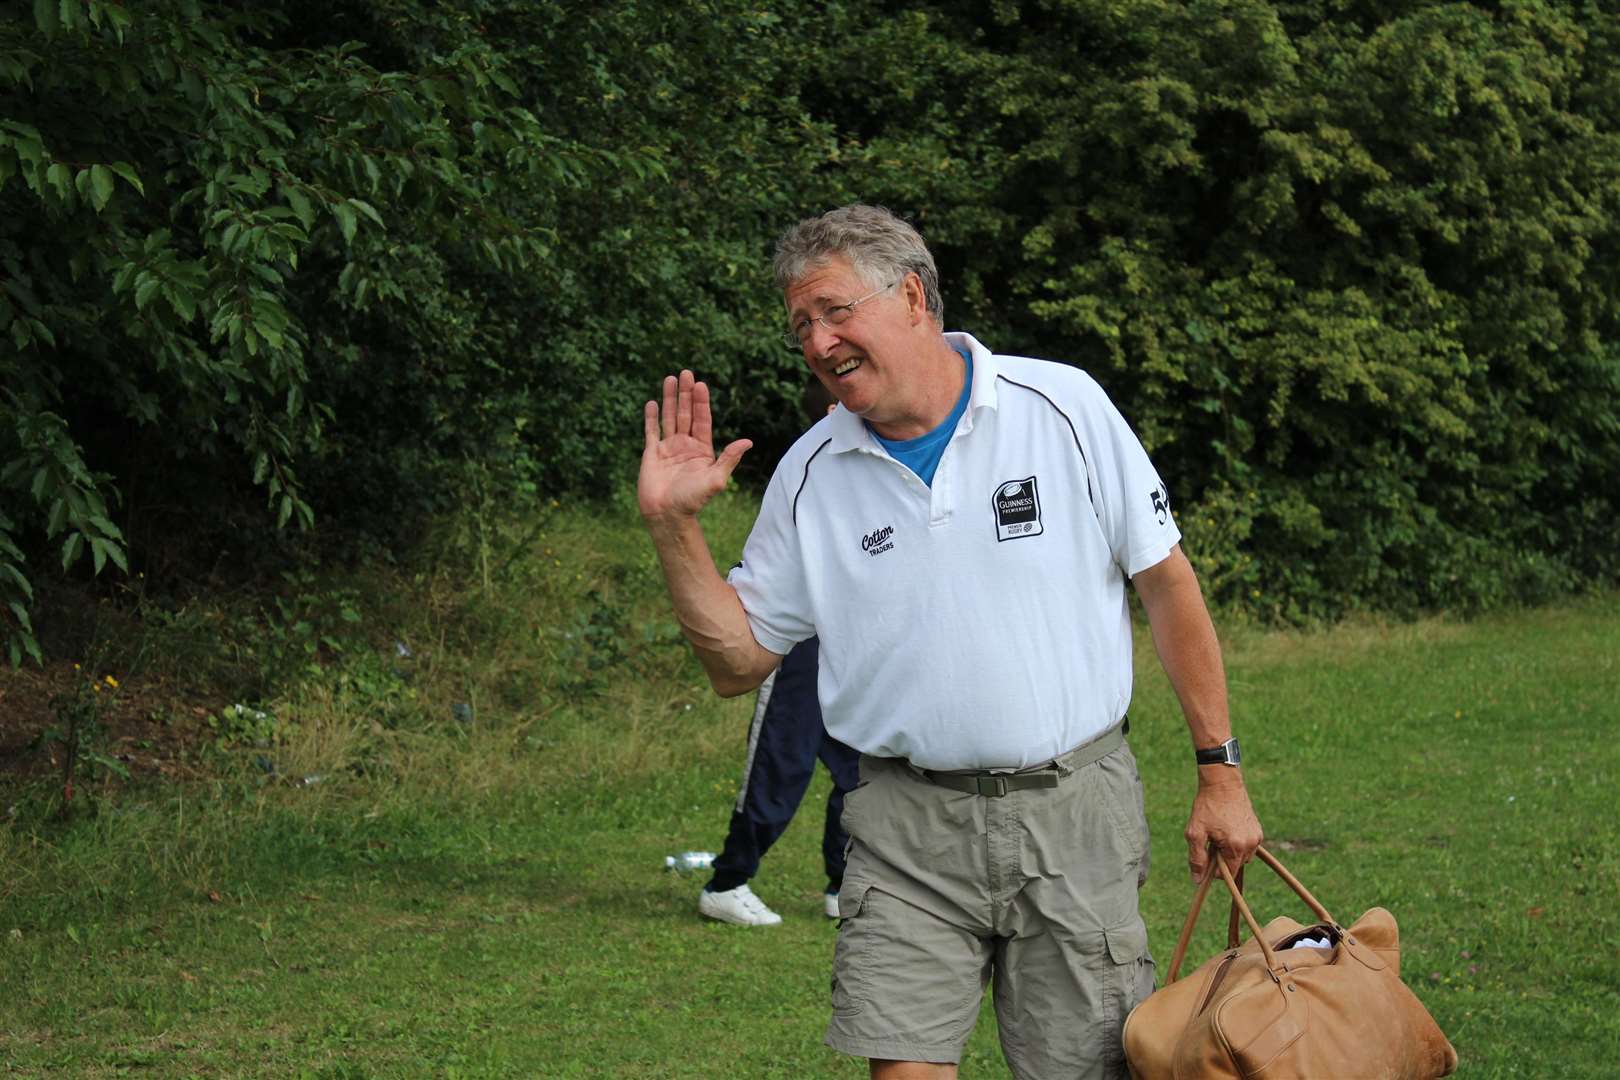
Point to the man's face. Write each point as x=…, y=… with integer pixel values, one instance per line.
x=864, y=360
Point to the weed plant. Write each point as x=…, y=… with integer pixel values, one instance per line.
x=444, y=856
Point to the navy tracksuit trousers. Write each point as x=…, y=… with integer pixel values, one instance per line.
x=784, y=741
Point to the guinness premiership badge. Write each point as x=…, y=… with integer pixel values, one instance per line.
x=1018, y=510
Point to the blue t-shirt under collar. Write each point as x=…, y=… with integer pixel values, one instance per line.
x=921, y=455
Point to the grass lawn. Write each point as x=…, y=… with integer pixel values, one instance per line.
x=493, y=902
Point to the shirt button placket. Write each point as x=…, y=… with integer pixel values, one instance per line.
x=939, y=494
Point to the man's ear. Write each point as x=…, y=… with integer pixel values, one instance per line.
x=916, y=296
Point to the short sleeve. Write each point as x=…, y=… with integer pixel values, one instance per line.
x=1133, y=503
x=770, y=579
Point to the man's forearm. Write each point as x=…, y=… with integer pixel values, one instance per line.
x=1185, y=640
x=708, y=610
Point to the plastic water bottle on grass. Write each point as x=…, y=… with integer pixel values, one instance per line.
x=688, y=861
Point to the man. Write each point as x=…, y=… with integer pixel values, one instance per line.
x=785, y=740
x=959, y=533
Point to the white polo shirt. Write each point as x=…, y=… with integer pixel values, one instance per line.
x=981, y=622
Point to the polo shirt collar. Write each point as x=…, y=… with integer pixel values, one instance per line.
x=849, y=432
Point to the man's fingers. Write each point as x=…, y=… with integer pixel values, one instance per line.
x=668, y=412
x=683, y=403
x=649, y=423
x=1235, y=852
x=732, y=454
x=1243, y=850
x=702, y=416
x=686, y=411
x=1197, y=853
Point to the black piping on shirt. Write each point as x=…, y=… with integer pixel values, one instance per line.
x=1086, y=465
x=806, y=479
x=1072, y=433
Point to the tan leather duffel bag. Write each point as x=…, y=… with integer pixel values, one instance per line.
x=1322, y=1001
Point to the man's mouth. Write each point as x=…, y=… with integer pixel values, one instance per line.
x=847, y=366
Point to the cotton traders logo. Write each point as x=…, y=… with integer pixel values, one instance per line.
x=878, y=541
x=1161, y=504
x=1018, y=510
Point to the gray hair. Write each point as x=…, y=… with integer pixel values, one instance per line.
x=880, y=246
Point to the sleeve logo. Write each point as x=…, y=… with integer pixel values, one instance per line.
x=1161, y=504
x=1018, y=510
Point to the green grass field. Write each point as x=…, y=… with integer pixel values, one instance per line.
x=487, y=899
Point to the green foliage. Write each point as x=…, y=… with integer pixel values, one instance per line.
x=311, y=623
x=238, y=724
x=179, y=302
x=1351, y=268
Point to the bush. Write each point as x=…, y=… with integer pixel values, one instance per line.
x=1350, y=270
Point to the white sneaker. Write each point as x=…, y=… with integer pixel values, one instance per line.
x=829, y=904
x=738, y=906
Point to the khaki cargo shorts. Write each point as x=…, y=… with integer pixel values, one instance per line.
x=1035, y=889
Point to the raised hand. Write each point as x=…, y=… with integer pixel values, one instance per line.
x=680, y=472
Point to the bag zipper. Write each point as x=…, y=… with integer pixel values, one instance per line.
x=1215, y=981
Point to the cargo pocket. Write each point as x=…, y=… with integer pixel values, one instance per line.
x=1128, y=949
x=1131, y=977
x=852, y=956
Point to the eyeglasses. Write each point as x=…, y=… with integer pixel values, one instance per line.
x=836, y=315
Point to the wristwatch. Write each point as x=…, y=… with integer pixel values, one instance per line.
x=1224, y=754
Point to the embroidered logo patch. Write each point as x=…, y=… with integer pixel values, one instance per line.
x=1018, y=510
x=1161, y=504
x=878, y=541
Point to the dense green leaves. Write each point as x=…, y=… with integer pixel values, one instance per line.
x=1350, y=267
x=191, y=224
x=1341, y=264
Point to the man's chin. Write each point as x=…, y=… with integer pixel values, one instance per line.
x=856, y=408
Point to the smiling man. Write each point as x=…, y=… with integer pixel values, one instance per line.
x=960, y=534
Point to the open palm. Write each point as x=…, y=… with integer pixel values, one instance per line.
x=680, y=472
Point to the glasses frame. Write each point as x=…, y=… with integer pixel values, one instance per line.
x=837, y=315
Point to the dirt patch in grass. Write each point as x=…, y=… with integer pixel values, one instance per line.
x=152, y=716
x=142, y=724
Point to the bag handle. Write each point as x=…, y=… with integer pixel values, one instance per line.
x=1232, y=915
x=1217, y=864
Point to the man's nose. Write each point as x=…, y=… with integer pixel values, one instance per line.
x=819, y=339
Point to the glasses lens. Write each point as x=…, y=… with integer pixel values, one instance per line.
x=837, y=316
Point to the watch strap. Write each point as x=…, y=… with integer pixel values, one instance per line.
x=1227, y=753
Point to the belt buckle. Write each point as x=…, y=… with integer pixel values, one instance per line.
x=992, y=787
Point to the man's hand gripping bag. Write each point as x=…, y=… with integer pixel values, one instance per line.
x=1276, y=1008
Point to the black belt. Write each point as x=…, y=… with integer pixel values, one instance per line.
x=993, y=785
